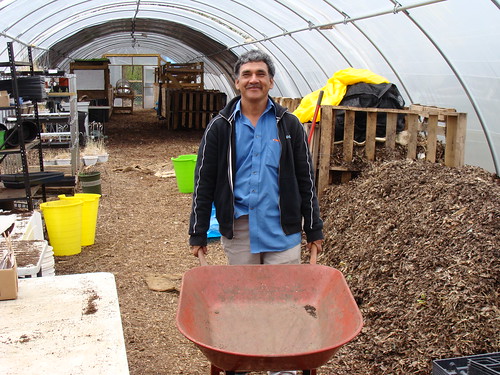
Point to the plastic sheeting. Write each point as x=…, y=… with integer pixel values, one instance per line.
x=442, y=53
x=334, y=91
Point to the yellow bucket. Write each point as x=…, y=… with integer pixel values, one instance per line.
x=89, y=215
x=64, y=225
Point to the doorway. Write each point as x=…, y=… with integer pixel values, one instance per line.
x=134, y=74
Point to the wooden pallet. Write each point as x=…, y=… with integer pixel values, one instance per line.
x=290, y=103
x=188, y=76
x=431, y=121
x=190, y=109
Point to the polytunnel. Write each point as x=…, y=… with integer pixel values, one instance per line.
x=443, y=53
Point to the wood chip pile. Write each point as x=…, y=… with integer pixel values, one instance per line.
x=419, y=246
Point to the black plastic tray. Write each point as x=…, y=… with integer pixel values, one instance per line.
x=469, y=365
x=16, y=180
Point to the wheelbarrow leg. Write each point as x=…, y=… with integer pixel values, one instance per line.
x=214, y=370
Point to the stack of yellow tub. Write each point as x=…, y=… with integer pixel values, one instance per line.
x=71, y=222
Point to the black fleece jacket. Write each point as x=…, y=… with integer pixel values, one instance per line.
x=215, y=172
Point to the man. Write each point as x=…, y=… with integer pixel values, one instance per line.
x=255, y=166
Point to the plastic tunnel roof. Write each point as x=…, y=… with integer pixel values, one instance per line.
x=443, y=53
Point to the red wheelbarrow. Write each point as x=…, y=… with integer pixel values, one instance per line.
x=267, y=317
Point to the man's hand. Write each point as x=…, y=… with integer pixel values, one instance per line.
x=318, y=243
x=196, y=249
x=318, y=246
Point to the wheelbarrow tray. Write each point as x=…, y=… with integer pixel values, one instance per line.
x=267, y=317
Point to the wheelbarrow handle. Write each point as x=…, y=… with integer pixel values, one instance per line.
x=201, y=258
x=314, y=253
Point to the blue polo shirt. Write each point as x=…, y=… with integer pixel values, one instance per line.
x=256, y=191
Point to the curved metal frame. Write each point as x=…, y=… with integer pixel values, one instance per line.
x=465, y=87
x=244, y=28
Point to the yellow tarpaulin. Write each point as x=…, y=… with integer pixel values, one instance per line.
x=335, y=90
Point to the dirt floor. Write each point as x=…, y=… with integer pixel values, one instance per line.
x=418, y=244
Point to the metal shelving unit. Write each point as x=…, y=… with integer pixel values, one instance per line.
x=29, y=191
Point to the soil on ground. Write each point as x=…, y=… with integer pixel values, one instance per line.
x=417, y=243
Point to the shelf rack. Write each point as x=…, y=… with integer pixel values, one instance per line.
x=29, y=191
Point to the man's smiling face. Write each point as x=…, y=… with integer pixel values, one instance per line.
x=254, y=81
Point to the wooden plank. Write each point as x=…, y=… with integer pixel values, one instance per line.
x=345, y=177
x=326, y=141
x=7, y=194
x=190, y=110
x=412, y=123
x=426, y=111
x=202, y=75
x=183, y=109
x=204, y=116
x=176, y=100
x=295, y=104
x=168, y=106
x=460, y=140
x=348, y=143
x=197, y=111
x=377, y=110
x=455, y=140
x=221, y=103
x=371, y=130
x=315, y=144
x=440, y=130
x=390, y=130
x=163, y=104
x=338, y=168
x=211, y=102
x=172, y=82
x=432, y=126
x=349, y=135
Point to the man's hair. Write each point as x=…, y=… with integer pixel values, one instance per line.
x=254, y=55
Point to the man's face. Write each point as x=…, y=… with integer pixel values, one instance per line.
x=254, y=81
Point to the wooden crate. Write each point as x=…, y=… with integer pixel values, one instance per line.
x=189, y=109
x=430, y=121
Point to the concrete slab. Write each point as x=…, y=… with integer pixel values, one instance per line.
x=67, y=324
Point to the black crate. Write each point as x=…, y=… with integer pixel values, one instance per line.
x=489, y=365
x=461, y=365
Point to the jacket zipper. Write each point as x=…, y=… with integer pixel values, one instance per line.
x=278, y=119
x=230, y=169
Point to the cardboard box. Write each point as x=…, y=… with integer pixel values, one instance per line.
x=8, y=283
x=4, y=99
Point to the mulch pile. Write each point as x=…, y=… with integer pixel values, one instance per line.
x=419, y=246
